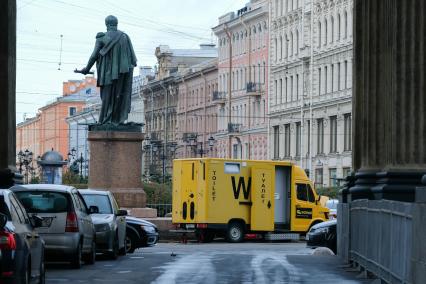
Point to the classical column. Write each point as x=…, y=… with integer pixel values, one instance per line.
x=389, y=101
x=7, y=92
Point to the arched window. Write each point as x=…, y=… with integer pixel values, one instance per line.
x=276, y=49
x=286, y=46
x=297, y=43
x=319, y=34
x=345, y=25
x=325, y=31
x=338, y=26
x=332, y=29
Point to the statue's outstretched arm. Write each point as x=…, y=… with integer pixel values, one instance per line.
x=95, y=54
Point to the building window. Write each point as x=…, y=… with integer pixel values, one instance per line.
x=286, y=89
x=333, y=134
x=325, y=80
x=281, y=91
x=346, y=74
x=297, y=87
x=298, y=139
x=319, y=81
x=338, y=77
x=72, y=111
x=320, y=136
x=309, y=136
x=276, y=142
x=276, y=91
x=332, y=177
x=346, y=172
x=318, y=178
x=332, y=77
x=319, y=34
x=332, y=29
x=287, y=140
x=347, y=132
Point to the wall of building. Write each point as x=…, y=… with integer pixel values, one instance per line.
x=247, y=32
x=310, y=102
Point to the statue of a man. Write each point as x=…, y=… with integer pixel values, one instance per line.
x=115, y=60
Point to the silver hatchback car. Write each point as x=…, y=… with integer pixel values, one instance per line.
x=110, y=222
x=67, y=227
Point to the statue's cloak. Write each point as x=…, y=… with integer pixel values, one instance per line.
x=115, y=57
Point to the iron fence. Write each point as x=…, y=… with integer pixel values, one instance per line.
x=162, y=208
x=381, y=238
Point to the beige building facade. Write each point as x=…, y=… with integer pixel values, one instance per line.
x=242, y=96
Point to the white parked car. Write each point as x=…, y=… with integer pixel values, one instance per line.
x=332, y=205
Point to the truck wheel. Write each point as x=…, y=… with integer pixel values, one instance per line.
x=235, y=233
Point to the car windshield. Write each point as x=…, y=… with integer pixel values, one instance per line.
x=44, y=201
x=101, y=201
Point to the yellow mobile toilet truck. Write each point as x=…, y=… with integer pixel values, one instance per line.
x=233, y=198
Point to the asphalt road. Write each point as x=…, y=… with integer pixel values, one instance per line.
x=211, y=263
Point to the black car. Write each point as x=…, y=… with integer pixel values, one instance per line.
x=139, y=233
x=323, y=235
x=21, y=248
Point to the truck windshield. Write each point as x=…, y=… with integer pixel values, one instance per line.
x=101, y=201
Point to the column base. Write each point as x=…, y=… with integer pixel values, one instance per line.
x=9, y=178
x=389, y=185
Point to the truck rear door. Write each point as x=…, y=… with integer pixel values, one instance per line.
x=262, y=198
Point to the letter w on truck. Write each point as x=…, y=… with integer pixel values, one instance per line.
x=232, y=198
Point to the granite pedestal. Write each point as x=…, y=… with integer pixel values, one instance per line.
x=116, y=165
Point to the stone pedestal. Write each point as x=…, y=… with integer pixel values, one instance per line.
x=116, y=165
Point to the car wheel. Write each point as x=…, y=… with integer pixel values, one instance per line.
x=76, y=258
x=114, y=254
x=130, y=243
x=90, y=258
x=235, y=233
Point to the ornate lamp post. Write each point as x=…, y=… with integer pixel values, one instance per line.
x=25, y=159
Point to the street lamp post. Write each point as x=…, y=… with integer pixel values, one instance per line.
x=25, y=159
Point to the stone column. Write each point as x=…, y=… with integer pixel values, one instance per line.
x=7, y=92
x=389, y=101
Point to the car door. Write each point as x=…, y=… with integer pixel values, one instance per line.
x=84, y=220
x=27, y=234
x=121, y=222
x=304, y=206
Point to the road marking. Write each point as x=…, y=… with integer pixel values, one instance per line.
x=124, y=271
x=137, y=257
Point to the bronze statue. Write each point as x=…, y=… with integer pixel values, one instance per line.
x=115, y=60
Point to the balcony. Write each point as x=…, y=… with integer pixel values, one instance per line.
x=218, y=97
x=234, y=128
x=254, y=89
x=189, y=136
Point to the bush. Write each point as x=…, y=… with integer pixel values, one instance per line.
x=71, y=178
x=157, y=193
x=332, y=192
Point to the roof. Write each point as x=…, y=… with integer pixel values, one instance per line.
x=93, y=191
x=48, y=187
x=210, y=53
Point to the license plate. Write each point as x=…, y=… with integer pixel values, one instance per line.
x=190, y=226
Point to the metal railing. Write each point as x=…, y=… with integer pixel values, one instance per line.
x=162, y=208
x=234, y=127
x=254, y=88
x=218, y=96
x=381, y=237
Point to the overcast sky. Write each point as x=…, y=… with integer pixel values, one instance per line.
x=177, y=23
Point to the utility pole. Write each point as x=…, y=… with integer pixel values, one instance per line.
x=229, y=91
